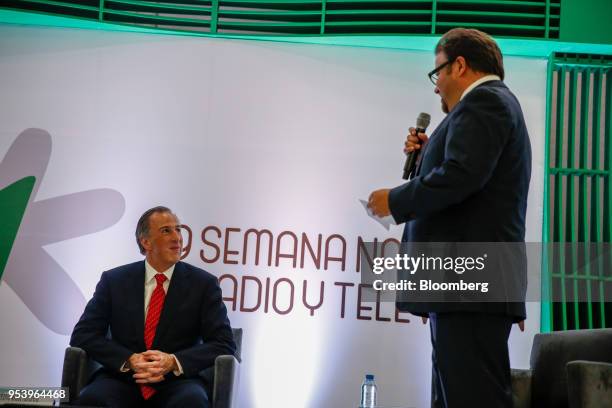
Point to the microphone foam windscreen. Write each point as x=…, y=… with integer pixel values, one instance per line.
x=423, y=120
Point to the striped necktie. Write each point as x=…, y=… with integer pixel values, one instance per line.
x=155, y=307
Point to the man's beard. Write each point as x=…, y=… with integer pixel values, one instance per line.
x=444, y=106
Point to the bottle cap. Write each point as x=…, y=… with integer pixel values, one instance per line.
x=370, y=377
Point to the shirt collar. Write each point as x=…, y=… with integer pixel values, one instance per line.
x=150, y=272
x=482, y=80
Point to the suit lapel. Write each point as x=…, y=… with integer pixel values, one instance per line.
x=176, y=293
x=417, y=172
x=440, y=131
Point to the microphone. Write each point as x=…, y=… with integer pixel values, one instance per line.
x=421, y=125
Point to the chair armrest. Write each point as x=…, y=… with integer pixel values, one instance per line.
x=74, y=372
x=589, y=384
x=521, y=388
x=226, y=382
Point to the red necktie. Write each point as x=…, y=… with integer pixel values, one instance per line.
x=155, y=307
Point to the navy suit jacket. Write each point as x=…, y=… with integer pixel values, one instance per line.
x=471, y=184
x=193, y=324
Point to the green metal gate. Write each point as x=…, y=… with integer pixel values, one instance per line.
x=578, y=191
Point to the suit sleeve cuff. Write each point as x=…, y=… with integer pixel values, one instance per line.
x=179, y=370
x=398, y=206
x=125, y=367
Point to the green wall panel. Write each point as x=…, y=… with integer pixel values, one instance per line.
x=588, y=21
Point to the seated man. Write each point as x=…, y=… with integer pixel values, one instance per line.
x=165, y=322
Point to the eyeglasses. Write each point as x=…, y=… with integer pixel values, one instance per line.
x=435, y=73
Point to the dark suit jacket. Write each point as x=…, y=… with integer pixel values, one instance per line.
x=193, y=324
x=471, y=184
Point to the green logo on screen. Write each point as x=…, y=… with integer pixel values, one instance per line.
x=13, y=202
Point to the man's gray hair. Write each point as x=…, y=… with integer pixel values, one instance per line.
x=142, y=227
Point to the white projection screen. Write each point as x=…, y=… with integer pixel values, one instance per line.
x=238, y=138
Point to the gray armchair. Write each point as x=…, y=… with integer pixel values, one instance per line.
x=222, y=379
x=569, y=369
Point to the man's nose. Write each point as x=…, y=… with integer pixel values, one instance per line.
x=436, y=90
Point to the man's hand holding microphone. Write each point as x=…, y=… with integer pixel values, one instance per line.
x=415, y=141
x=378, y=202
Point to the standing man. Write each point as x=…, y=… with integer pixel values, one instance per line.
x=470, y=186
x=153, y=325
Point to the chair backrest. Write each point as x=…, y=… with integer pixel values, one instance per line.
x=550, y=354
x=237, y=332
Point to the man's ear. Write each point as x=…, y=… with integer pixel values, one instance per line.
x=462, y=66
x=146, y=244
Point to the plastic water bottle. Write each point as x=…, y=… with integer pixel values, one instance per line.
x=368, y=392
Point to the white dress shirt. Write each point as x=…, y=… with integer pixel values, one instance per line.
x=151, y=283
